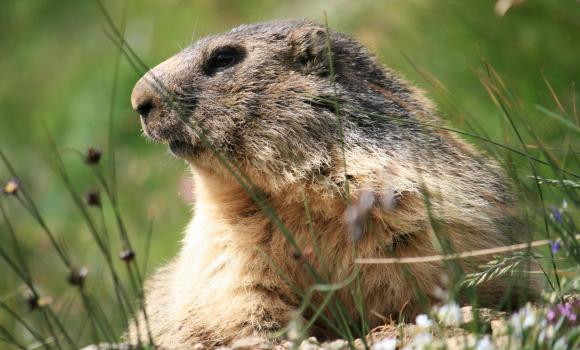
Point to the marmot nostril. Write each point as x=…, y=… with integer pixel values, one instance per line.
x=144, y=108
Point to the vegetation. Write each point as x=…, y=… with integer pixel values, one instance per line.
x=78, y=237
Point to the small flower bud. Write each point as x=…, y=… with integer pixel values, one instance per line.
x=127, y=255
x=93, y=156
x=35, y=302
x=77, y=277
x=555, y=246
x=93, y=198
x=12, y=186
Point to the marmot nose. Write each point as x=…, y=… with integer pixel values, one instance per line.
x=144, y=99
x=144, y=107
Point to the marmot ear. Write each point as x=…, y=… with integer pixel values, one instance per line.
x=309, y=48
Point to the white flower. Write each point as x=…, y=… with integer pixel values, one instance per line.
x=484, y=343
x=522, y=320
x=449, y=314
x=529, y=320
x=385, y=344
x=423, y=321
x=421, y=341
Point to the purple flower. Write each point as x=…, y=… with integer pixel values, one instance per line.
x=551, y=315
x=557, y=215
x=568, y=312
x=555, y=246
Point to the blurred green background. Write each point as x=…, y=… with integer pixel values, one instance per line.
x=56, y=74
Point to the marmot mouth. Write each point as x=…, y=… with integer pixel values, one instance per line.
x=181, y=148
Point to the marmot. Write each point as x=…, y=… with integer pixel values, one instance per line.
x=289, y=129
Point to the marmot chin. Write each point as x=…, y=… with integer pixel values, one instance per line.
x=307, y=153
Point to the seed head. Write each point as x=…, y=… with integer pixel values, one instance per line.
x=35, y=302
x=77, y=276
x=32, y=301
x=93, y=156
x=93, y=198
x=12, y=186
x=127, y=255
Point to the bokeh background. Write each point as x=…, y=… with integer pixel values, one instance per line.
x=57, y=78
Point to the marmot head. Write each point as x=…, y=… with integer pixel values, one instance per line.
x=279, y=98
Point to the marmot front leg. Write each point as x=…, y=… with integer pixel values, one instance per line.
x=258, y=311
x=234, y=313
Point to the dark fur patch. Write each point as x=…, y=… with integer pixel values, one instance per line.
x=276, y=293
x=268, y=234
x=402, y=241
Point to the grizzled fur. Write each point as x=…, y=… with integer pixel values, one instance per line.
x=276, y=115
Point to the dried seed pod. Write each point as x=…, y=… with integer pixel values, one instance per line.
x=32, y=301
x=93, y=156
x=77, y=276
x=93, y=198
x=127, y=255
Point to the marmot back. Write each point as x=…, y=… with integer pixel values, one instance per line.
x=306, y=152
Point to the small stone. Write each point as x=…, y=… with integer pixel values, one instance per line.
x=286, y=344
x=309, y=344
x=466, y=315
x=108, y=346
x=313, y=340
x=339, y=344
x=358, y=344
x=498, y=327
x=460, y=342
x=251, y=343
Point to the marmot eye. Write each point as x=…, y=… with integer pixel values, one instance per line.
x=223, y=59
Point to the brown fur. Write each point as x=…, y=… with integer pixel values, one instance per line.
x=265, y=124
